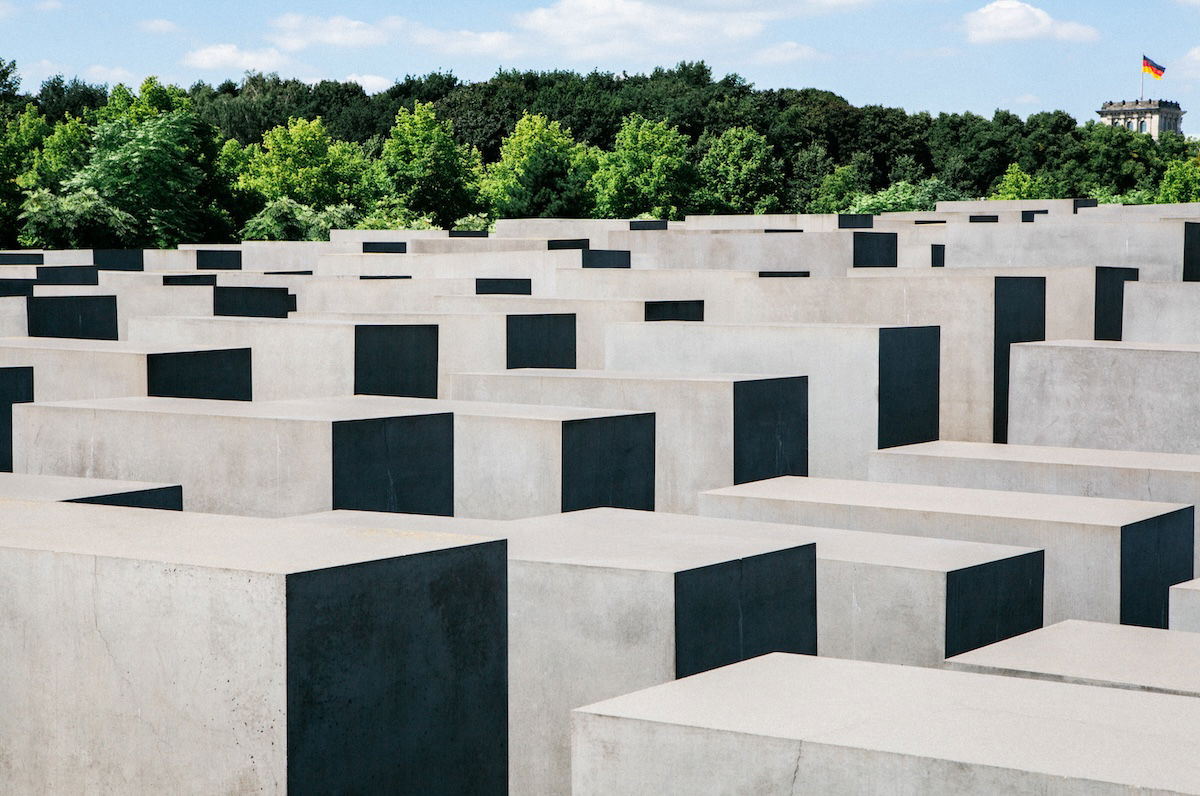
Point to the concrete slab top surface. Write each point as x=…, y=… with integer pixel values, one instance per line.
x=952, y=500
x=712, y=328
x=207, y=540
x=562, y=374
x=1096, y=653
x=356, y=407
x=24, y=486
x=1046, y=454
x=1099, y=734
x=102, y=346
x=883, y=549
x=407, y=522
x=1117, y=345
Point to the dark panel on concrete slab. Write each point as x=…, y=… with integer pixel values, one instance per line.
x=218, y=260
x=909, y=384
x=1029, y=216
x=993, y=601
x=385, y=247
x=288, y=273
x=782, y=231
x=674, y=311
x=1020, y=317
x=397, y=675
x=189, y=279
x=770, y=428
x=395, y=464
x=1077, y=204
x=165, y=498
x=856, y=221
x=875, y=250
x=1191, y=251
x=118, y=259
x=1155, y=555
x=385, y=276
x=223, y=374
x=503, y=287
x=1110, y=300
x=16, y=387
x=605, y=258
x=86, y=317
x=22, y=258
x=68, y=275
x=983, y=219
x=253, y=302
x=740, y=609
x=541, y=341
x=937, y=255
x=643, y=226
x=16, y=287
x=783, y=274
x=399, y=359
x=608, y=461
x=568, y=243
x=922, y=221
x=468, y=233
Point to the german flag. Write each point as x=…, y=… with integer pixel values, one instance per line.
x=1152, y=68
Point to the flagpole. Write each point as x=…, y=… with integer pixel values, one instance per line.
x=1143, y=89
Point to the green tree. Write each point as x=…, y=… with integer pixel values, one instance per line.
x=1180, y=182
x=649, y=171
x=78, y=220
x=739, y=174
x=839, y=191
x=1016, y=184
x=62, y=154
x=811, y=166
x=20, y=139
x=427, y=170
x=286, y=219
x=302, y=162
x=542, y=173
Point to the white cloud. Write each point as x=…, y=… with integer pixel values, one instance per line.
x=48, y=5
x=1026, y=99
x=1012, y=20
x=292, y=32
x=38, y=71
x=785, y=53
x=499, y=44
x=372, y=84
x=108, y=74
x=1188, y=67
x=159, y=26
x=230, y=56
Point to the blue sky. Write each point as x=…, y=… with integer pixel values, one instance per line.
x=935, y=55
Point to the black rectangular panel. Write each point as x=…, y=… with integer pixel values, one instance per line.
x=223, y=374
x=783, y=274
x=856, y=221
x=740, y=609
x=468, y=233
x=541, y=341
x=397, y=675
x=923, y=221
x=647, y=226
x=909, y=384
x=937, y=255
x=983, y=219
x=288, y=273
x=770, y=428
x=21, y=258
x=1155, y=555
x=17, y=287
x=674, y=310
x=16, y=387
x=1110, y=300
x=1191, y=251
x=252, y=302
x=85, y=317
x=119, y=259
x=165, y=498
x=385, y=247
x=875, y=250
x=218, y=260
x=1082, y=203
x=1029, y=216
x=605, y=258
x=608, y=461
x=385, y=276
x=990, y=602
x=782, y=231
x=397, y=360
x=568, y=243
x=1020, y=317
x=189, y=279
x=503, y=287
x=396, y=464
x=68, y=275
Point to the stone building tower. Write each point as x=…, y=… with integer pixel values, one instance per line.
x=1151, y=116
